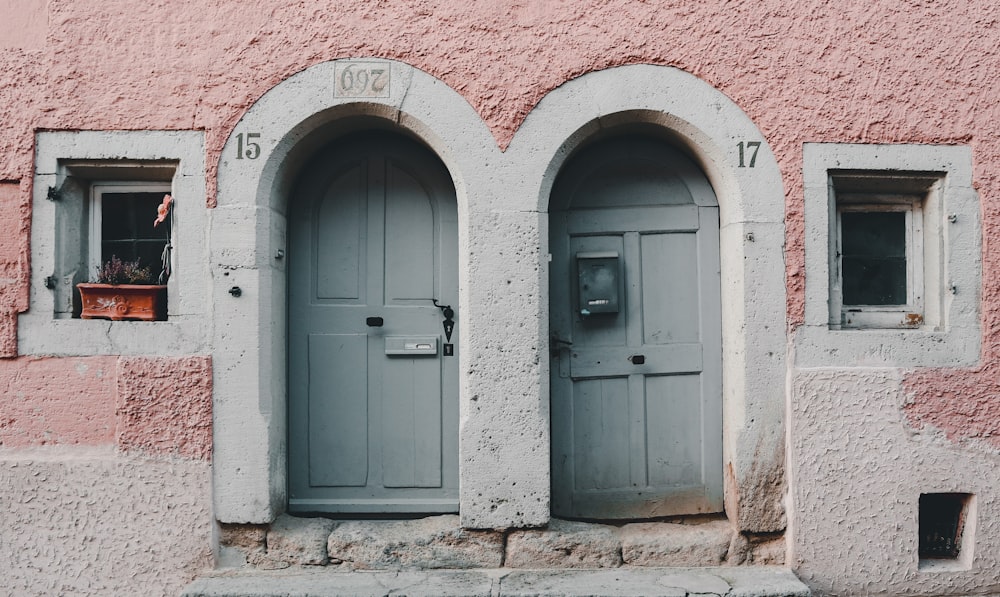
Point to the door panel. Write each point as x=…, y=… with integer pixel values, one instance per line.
x=636, y=395
x=338, y=416
x=410, y=234
x=339, y=251
x=411, y=422
x=673, y=403
x=669, y=279
x=373, y=411
x=601, y=432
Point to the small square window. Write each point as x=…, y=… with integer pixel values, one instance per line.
x=879, y=260
x=95, y=195
x=946, y=531
x=893, y=254
x=122, y=215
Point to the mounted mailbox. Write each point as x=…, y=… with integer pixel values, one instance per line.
x=599, y=282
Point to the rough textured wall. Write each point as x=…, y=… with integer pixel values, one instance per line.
x=104, y=474
x=85, y=521
x=156, y=406
x=964, y=405
x=57, y=401
x=24, y=23
x=855, y=525
x=165, y=406
x=15, y=220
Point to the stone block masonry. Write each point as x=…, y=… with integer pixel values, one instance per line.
x=439, y=542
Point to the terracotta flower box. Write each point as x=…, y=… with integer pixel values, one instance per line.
x=142, y=302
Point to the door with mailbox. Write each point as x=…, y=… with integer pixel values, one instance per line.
x=372, y=334
x=635, y=334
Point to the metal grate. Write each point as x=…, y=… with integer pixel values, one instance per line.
x=942, y=518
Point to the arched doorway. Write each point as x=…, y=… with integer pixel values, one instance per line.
x=372, y=372
x=635, y=320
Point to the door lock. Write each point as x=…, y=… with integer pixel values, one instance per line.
x=374, y=322
x=449, y=322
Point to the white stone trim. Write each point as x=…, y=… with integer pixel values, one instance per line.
x=952, y=336
x=503, y=303
x=295, y=118
x=186, y=330
x=751, y=203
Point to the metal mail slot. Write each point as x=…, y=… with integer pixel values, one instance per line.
x=411, y=345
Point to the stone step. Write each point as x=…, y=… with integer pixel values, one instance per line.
x=441, y=542
x=745, y=581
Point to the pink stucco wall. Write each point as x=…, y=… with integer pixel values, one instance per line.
x=14, y=226
x=153, y=406
x=962, y=404
x=57, y=401
x=165, y=406
x=23, y=24
x=818, y=71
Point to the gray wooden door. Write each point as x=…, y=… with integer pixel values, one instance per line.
x=636, y=395
x=373, y=399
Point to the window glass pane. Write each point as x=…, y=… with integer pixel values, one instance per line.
x=148, y=252
x=127, y=227
x=873, y=262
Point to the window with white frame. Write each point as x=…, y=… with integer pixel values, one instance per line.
x=121, y=223
x=878, y=264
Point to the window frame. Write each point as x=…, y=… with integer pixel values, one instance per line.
x=906, y=315
x=97, y=190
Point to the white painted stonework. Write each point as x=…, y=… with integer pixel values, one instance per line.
x=94, y=510
x=502, y=314
x=862, y=479
x=952, y=338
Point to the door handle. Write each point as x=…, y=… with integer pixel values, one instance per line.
x=638, y=359
x=557, y=344
x=556, y=340
x=374, y=322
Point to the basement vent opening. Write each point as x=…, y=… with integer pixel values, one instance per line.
x=944, y=525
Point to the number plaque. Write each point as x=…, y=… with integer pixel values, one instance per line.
x=361, y=79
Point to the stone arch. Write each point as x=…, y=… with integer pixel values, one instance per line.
x=710, y=127
x=503, y=277
x=247, y=237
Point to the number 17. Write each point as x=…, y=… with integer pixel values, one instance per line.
x=752, y=147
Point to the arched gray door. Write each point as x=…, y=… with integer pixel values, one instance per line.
x=373, y=392
x=636, y=335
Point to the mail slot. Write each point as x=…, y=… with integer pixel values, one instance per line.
x=411, y=345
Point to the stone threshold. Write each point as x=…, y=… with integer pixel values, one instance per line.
x=439, y=542
x=746, y=581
